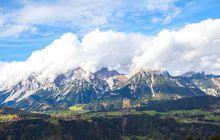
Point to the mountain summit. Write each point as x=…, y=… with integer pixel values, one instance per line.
x=83, y=87
x=106, y=73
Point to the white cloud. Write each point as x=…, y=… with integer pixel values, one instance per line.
x=160, y=5
x=194, y=47
x=97, y=49
x=171, y=15
x=2, y=64
x=70, y=14
x=166, y=7
x=14, y=30
x=78, y=14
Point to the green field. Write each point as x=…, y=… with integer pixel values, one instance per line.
x=181, y=116
x=7, y=117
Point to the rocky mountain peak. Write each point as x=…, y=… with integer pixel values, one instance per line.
x=199, y=75
x=30, y=83
x=106, y=73
x=149, y=72
x=193, y=74
x=80, y=73
x=79, y=86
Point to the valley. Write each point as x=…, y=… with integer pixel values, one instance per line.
x=155, y=121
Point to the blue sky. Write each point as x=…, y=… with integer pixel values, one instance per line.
x=29, y=25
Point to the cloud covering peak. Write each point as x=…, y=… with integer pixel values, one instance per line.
x=194, y=47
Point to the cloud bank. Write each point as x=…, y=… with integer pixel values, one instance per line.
x=97, y=49
x=193, y=47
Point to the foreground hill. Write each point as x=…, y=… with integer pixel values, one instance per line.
x=198, y=122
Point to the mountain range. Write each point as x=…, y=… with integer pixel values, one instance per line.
x=107, y=89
